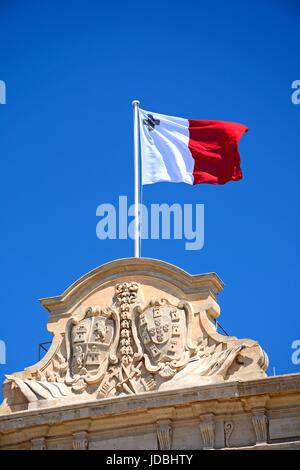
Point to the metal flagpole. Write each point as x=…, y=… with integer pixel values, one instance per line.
x=135, y=105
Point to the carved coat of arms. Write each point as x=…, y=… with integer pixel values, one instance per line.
x=91, y=346
x=164, y=332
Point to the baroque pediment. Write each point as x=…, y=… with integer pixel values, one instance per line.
x=133, y=326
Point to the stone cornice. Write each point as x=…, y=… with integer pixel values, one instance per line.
x=215, y=393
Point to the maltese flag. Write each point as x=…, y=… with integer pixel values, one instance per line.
x=180, y=150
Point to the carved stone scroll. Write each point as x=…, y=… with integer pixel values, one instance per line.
x=228, y=428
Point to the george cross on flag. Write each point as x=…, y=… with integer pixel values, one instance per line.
x=179, y=150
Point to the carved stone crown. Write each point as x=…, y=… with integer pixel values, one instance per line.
x=133, y=326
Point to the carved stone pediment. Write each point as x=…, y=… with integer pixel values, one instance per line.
x=133, y=328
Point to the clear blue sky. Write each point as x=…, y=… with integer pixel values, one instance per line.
x=72, y=69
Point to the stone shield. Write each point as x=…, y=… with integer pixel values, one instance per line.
x=164, y=336
x=91, y=339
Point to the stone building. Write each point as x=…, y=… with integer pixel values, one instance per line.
x=136, y=362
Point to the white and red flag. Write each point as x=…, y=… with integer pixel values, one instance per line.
x=179, y=150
